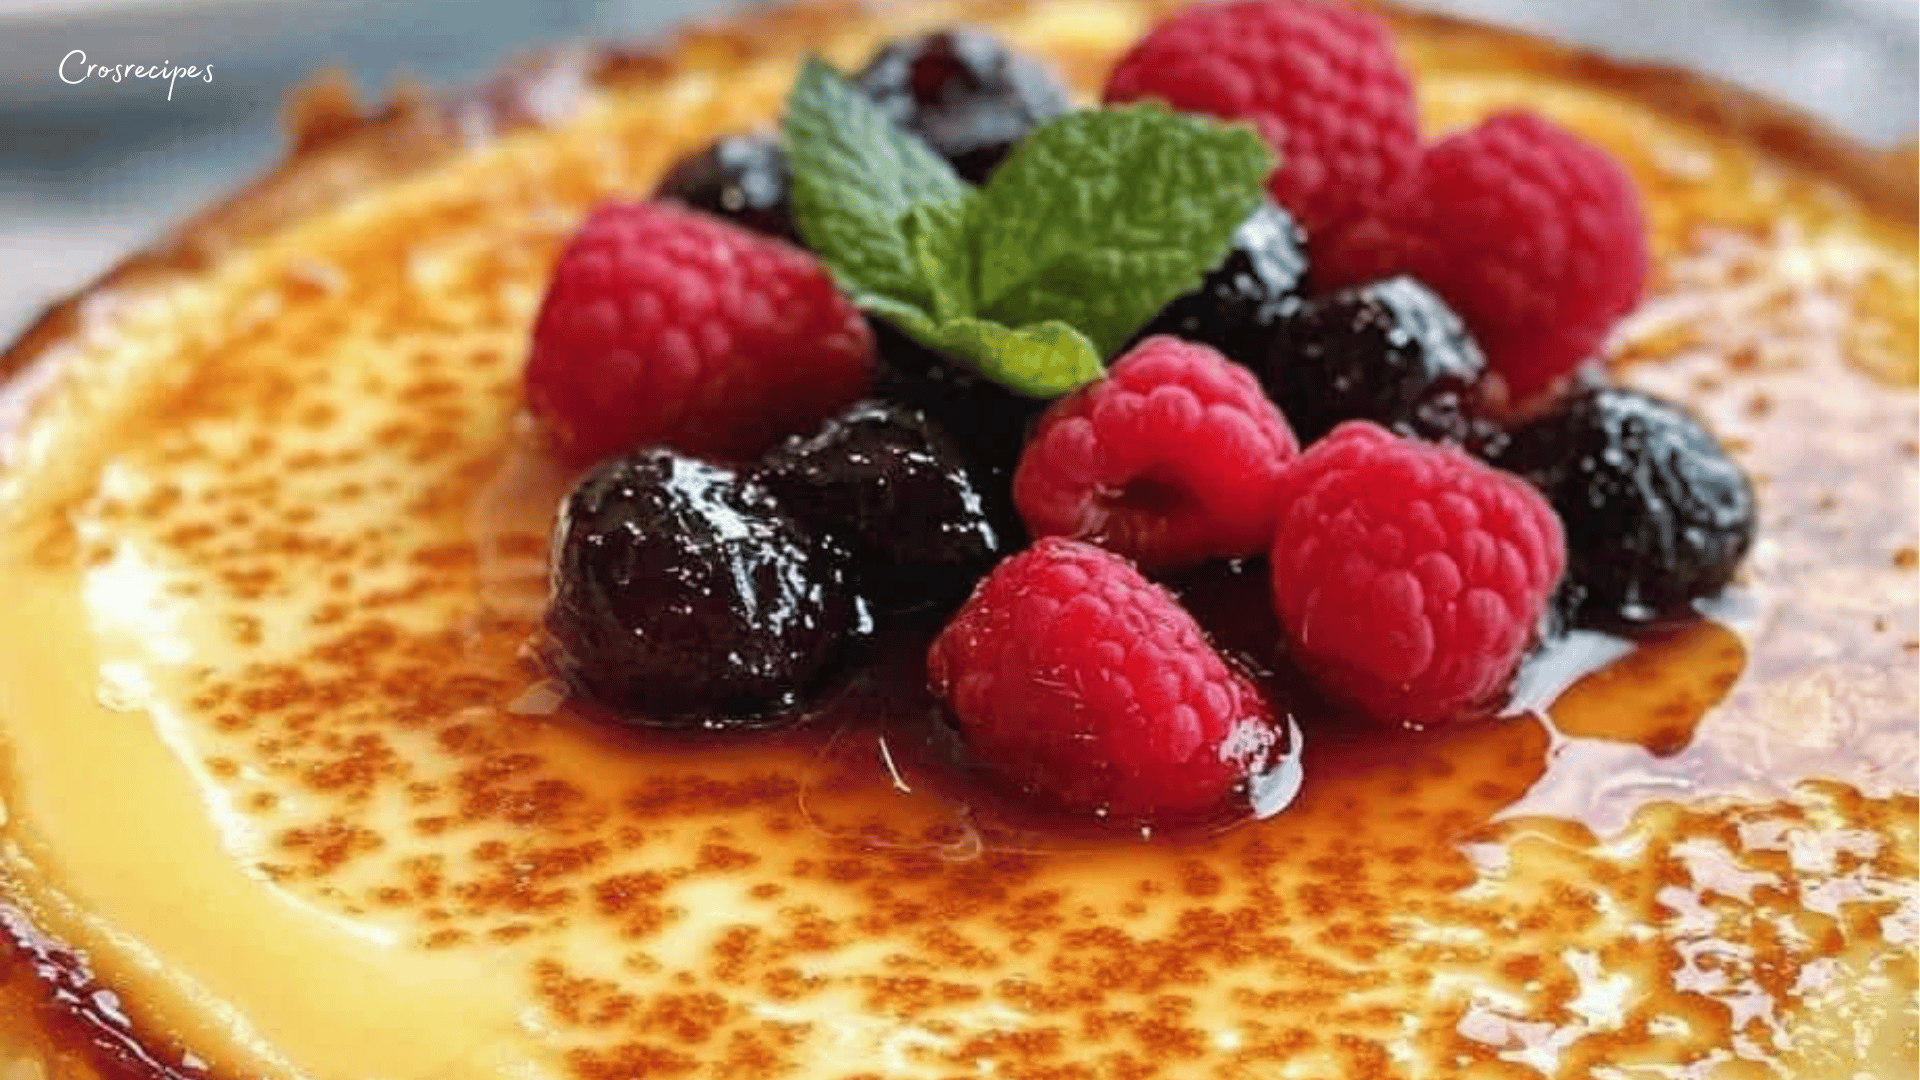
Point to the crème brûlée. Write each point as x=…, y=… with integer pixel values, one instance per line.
x=283, y=793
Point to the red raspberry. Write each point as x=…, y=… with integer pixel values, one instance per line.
x=1089, y=686
x=1410, y=577
x=1170, y=460
x=666, y=326
x=1318, y=80
x=1534, y=236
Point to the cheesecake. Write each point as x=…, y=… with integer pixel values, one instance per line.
x=285, y=793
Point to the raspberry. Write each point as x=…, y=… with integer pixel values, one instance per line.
x=1170, y=460
x=684, y=596
x=1319, y=81
x=666, y=326
x=1535, y=237
x=742, y=178
x=893, y=486
x=1261, y=281
x=1410, y=577
x=966, y=93
x=1657, y=514
x=1087, y=686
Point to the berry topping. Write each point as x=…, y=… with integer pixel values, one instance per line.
x=742, y=178
x=666, y=326
x=684, y=596
x=1318, y=80
x=1534, y=236
x=1410, y=577
x=970, y=96
x=987, y=420
x=894, y=488
x=1260, y=282
x=1172, y=459
x=1088, y=686
x=1035, y=279
x=1657, y=515
x=1391, y=352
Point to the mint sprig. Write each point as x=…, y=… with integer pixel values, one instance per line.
x=1105, y=215
x=1097, y=221
x=855, y=176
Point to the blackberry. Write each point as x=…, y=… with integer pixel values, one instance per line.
x=1657, y=515
x=987, y=420
x=964, y=91
x=895, y=489
x=742, y=178
x=1391, y=352
x=1262, y=280
x=683, y=596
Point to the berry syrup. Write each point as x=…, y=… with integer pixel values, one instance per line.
x=877, y=737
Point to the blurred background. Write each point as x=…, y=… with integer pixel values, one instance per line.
x=90, y=169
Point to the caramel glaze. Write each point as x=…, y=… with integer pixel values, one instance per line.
x=82, y=1015
x=1463, y=898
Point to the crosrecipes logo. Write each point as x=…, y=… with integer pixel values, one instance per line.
x=75, y=70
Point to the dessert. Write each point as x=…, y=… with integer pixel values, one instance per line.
x=284, y=796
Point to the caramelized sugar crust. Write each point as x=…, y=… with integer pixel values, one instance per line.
x=279, y=768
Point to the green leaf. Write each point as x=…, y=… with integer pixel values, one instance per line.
x=1086, y=232
x=1043, y=360
x=1103, y=216
x=937, y=239
x=916, y=321
x=855, y=177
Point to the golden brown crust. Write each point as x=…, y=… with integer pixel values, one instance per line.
x=339, y=151
x=1884, y=180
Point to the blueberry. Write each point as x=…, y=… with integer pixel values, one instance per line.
x=684, y=596
x=966, y=93
x=1391, y=352
x=1262, y=280
x=742, y=178
x=1657, y=515
x=895, y=489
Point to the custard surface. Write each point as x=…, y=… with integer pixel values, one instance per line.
x=276, y=760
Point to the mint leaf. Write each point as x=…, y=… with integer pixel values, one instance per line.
x=1045, y=360
x=855, y=177
x=937, y=239
x=1042, y=360
x=1085, y=233
x=1103, y=216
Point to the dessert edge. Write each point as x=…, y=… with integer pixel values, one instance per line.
x=338, y=152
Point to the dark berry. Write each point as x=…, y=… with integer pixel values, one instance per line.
x=1262, y=280
x=964, y=91
x=989, y=421
x=1657, y=514
x=1391, y=352
x=742, y=178
x=684, y=596
x=1232, y=599
x=894, y=488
